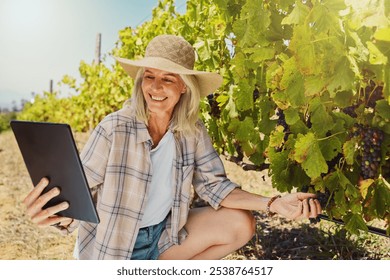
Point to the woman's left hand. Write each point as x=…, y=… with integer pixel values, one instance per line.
x=297, y=206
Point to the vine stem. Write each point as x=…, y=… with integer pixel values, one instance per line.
x=246, y=166
x=325, y=138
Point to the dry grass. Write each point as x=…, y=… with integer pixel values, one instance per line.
x=276, y=238
x=19, y=238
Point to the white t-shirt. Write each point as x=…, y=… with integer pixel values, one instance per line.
x=160, y=195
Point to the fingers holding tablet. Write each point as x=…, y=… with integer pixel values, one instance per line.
x=36, y=192
x=37, y=199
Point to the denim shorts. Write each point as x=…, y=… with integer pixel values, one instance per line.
x=146, y=244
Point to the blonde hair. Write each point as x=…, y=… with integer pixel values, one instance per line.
x=186, y=112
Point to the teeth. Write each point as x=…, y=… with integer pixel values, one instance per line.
x=157, y=98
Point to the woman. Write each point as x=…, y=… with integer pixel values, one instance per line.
x=141, y=162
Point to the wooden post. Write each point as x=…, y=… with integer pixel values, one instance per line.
x=51, y=86
x=98, y=48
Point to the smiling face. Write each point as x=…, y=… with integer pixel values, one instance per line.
x=162, y=90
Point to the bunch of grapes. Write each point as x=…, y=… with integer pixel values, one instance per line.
x=371, y=141
x=240, y=153
x=368, y=96
x=372, y=93
x=324, y=198
x=282, y=122
x=256, y=94
x=350, y=111
x=305, y=188
x=215, y=111
x=334, y=162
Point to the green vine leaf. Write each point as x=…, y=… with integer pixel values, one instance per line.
x=308, y=153
x=364, y=185
x=349, y=148
x=277, y=137
x=279, y=173
x=330, y=148
x=381, y=199
x=321, y=120
x=342, y=79
x=376, y=56
x=354, y=223
x=382, y=34
x=243, y=95
x=292, y=116
x=298, y=14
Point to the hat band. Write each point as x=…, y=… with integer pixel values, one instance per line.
x=163, y=64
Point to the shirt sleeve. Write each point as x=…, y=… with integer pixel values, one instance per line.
x=94, y=156
x=210, y=180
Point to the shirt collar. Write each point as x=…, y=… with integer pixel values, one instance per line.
x=142, y=134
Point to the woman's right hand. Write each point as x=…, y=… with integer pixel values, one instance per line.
x=35, y=201
x=297, y=206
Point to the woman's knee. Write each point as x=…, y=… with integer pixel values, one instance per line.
x=243, y=223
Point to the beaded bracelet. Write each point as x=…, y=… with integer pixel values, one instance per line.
x=60, y=227
x=268, y=210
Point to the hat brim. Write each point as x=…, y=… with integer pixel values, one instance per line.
x=208, y=81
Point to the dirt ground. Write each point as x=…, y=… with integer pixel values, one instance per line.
x=276, y=238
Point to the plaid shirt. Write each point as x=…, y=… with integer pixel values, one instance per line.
x=117, y=164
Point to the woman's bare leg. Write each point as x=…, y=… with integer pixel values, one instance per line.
x=213, y=234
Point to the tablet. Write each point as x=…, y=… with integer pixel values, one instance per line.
x=49, y=150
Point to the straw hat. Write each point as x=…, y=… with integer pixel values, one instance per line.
x=172, y=54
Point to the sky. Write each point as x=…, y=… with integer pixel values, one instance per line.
x=43, y=40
